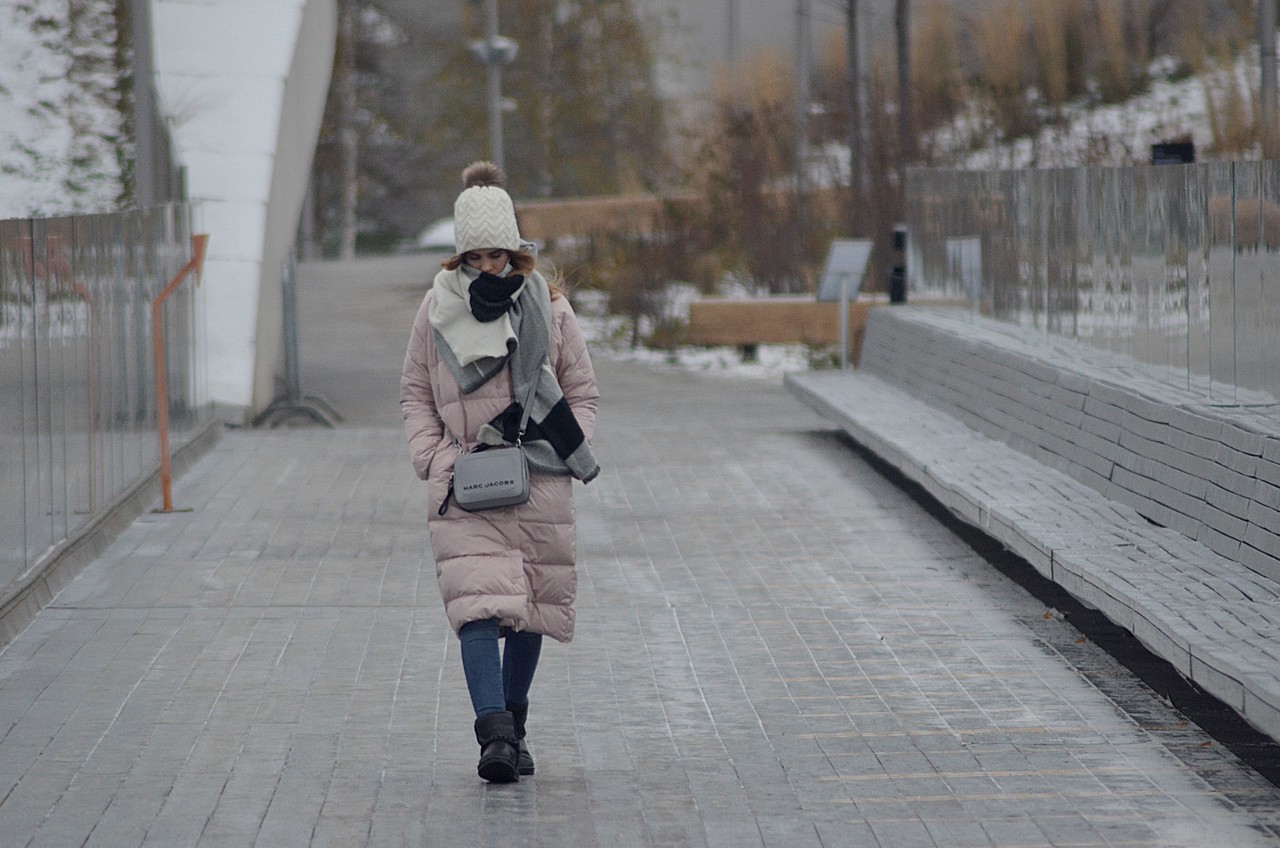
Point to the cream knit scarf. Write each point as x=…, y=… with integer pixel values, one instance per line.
x=450, y=314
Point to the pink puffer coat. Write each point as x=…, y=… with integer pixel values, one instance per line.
x=516, y=563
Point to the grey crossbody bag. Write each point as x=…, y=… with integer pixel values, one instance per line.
x=493, y=477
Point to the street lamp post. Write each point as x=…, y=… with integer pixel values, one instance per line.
x=494, y=51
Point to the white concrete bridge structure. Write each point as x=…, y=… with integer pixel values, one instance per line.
x=243, y=85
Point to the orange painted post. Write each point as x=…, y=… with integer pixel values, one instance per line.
x=196, y=263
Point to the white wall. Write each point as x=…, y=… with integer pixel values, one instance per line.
x=243, y=83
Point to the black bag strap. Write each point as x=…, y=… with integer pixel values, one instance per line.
x=528, y=401
x=527, y=410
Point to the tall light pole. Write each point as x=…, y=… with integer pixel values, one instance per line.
x=494, y=52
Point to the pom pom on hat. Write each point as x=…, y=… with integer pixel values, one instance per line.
x=483, y=215
x=483, y=174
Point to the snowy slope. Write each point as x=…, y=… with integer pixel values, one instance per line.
x=59, y=123
x=1119, y=134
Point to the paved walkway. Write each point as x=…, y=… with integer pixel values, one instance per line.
x=775, y=647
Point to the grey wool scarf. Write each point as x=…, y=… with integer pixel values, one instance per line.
x=553, y=441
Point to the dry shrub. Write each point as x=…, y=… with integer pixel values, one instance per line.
x=1121, y=48
x=764, y=80
x=1190, y=26
x=830, y=87
x=1050, y=49
x=747, y=163
x=637, y=265
x=999, y=44
x=1059, y=48
x=935, y=66
x=833, y=64
x=1113, y=63
x=1230, y=103
x=1140, y=31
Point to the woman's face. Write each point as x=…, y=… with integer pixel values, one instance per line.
x=489, y=260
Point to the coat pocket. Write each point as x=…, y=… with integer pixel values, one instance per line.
x=439, y=474
x=484, y=586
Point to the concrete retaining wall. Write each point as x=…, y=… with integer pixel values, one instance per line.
x=1119, y=427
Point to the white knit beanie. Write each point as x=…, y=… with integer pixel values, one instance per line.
x=483, y=215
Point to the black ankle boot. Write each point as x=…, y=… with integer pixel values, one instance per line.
x=524, y=763
x=499, y=751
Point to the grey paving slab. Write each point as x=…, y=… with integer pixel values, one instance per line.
x=775, y=647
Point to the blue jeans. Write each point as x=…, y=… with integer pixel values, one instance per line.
x=496, y=684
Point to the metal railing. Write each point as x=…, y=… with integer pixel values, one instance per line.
x=78, y=415
x=1177, y=266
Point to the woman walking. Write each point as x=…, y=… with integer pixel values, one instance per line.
x=490, y=334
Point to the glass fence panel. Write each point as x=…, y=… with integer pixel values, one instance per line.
x=1146, y=264
x=42, y=509
x=155, y=273
x=88, y=263
x=1177, y=280
x=1248, y=275
x=1268, y=340
x=1172, y=265
x=1166, y=222
x=1101, y=309
x=923, y=251
x=89, y=272
x=116, y=332
x=77, y=427
x=1021, y=285
x=1006, y=270
x=1221, y=191
x=141, y=381
x=1084, y=253
x=1199, y=242
x=68, y=395
x=1060, y=252
x=1028, y=295
x=1124, y=282
x=39, y=530
x=1093, y=251
x=16, y=433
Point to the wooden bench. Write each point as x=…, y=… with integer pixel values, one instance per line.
x=775, y=320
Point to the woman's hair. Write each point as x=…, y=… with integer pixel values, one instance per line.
x=522, y=262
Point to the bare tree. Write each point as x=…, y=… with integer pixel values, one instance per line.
x=858, y=182
x=906, y=112
x=1267, y=49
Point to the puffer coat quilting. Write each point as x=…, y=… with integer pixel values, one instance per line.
x=516, y=564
